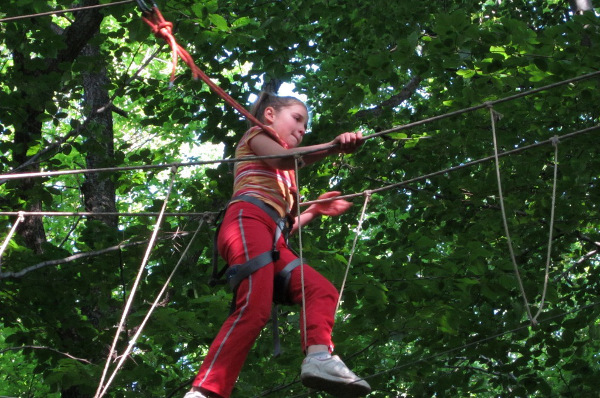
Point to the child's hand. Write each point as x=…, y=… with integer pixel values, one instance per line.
x=348, y=142
x=332, y=207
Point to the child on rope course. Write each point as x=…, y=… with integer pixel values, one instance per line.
x=252, y=239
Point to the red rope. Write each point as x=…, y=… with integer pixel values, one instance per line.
x=164, y=30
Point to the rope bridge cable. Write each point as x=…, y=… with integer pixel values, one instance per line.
x=486, y=104
x=101, y=387
x=206, y=214
x=548, y=254
x=461, y=166
x=57, y=12
x=307, y=203
x=13, y=176
x=450, y=350
x=493, y=116
x=42, y=174
x=140, y=328
x=358, y=229
x=300, y=254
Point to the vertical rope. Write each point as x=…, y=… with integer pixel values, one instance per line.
x=358, y=230
x=12, y=231
x=101, y=388
x=548, y=259
x=504, y=220
x=304, y=328
x=133, y=340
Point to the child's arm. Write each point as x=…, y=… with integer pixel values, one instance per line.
x=330, y=208
x=264, y=145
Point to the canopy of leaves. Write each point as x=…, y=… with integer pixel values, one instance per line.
x=432, y=305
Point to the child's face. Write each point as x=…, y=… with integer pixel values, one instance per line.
x=290, y=123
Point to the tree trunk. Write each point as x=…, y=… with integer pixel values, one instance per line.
x=27, y=134
x=98, y=189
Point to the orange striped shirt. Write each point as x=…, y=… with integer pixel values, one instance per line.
x=256, y=178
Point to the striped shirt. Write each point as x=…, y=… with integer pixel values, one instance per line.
x=256, y=178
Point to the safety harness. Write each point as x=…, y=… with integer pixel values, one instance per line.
x=236, y=273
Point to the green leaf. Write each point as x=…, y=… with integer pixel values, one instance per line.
x=219, y=22
x=467, y=74
x=398, y=136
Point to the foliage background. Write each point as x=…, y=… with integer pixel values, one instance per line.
x=432, y=305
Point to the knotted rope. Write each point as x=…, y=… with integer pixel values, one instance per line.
x=163, y=29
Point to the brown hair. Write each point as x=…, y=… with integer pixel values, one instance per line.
x=267, y=99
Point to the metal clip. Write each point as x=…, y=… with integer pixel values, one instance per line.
x=146, y=9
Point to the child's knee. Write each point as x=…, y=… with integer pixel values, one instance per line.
x=330, y=290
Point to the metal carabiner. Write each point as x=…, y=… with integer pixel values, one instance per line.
x=146, y=9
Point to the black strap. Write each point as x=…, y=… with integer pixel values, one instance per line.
x=238, y=272
x=216, y=276
x=282, y=281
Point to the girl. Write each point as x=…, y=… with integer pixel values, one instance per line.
x=250, y=240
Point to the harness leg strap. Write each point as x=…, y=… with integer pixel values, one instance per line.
x=282, y=281
x=238, y=272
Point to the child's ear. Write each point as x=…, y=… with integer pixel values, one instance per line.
x=269, y=114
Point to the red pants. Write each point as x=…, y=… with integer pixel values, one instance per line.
x=246, y=232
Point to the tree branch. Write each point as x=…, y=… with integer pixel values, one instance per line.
x=78, y=256
x=393, y=101
x=35, y=347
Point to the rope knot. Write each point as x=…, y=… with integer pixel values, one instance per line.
x=163, y=30
x=554, y=140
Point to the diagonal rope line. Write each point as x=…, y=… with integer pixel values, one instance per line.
x=552, y=208
x=493, y=115
x=9, y=236
x=101, y=388
x=297, y=178
x=486, y=104
x=133, y=340
x=459, y=167
x=56, y=12
x=205, y=214
x=358, y=230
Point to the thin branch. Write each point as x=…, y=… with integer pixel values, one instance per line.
x=395, y=100
x=35, y=347
x=78, y=256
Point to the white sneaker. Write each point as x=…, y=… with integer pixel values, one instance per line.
x=333, y=376
x=194, y=394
